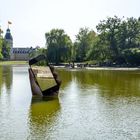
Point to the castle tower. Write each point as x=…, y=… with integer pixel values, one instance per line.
x=9, y=39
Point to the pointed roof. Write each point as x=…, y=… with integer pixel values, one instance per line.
x=8, y=35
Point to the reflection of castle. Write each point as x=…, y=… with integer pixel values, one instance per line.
x=17, y=53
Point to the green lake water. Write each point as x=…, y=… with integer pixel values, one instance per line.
x=92, y=105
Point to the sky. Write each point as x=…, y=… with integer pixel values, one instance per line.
x=31, y=19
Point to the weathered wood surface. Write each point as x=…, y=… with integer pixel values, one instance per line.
x=42, y=72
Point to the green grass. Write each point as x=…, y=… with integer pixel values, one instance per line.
x=13, y=62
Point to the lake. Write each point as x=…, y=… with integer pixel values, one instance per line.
x=92, y=105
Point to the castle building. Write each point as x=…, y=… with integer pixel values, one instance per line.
x=17, y=53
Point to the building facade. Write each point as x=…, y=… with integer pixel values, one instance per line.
x=21, y=53
x=17, y=53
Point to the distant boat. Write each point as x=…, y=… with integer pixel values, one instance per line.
x=44, y=77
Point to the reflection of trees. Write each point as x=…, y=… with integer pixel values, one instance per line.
x=121, y=83
x=65, y=76
x=111, y=83
x=42, y=115
x=6, y=76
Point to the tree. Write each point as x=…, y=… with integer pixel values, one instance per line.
x=98, y=51
x=5, y=50
x=84, y=41
x=133, y=33
x=37, y=51
x=132, y=56
x=58, y=46
x=119, y=35
x=108, y=30
x=1, y=43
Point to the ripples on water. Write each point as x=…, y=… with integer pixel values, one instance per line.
x=91, y=105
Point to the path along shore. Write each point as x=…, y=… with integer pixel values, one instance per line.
x=63, y=66
x=113, y=68
x=103, y=68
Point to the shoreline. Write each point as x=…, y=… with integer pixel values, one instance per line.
x=114, y=68
x=13, y=63
x=2, y=63
x=101, y=68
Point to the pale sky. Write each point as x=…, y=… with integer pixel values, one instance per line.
x=32, y=18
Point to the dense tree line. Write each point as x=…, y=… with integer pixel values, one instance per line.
x=120, y=40
x=59, y=46
x=117, y=41
x=4, y=49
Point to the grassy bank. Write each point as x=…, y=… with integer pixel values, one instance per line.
x=13, y=62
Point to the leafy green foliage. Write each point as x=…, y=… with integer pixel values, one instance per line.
x=118, y=37
x=58, y=46
x=1, y=44
x=84, y=41
x=5, y=50
x=37, y=51
x=117, y=41
x=132, y=56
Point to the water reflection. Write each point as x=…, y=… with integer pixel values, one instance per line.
x=106, y=101
x=109, y=83
x=92, y=105
x=6, y=77
x=42, y=116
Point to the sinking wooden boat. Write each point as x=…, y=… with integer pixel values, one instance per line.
x=43, y=79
